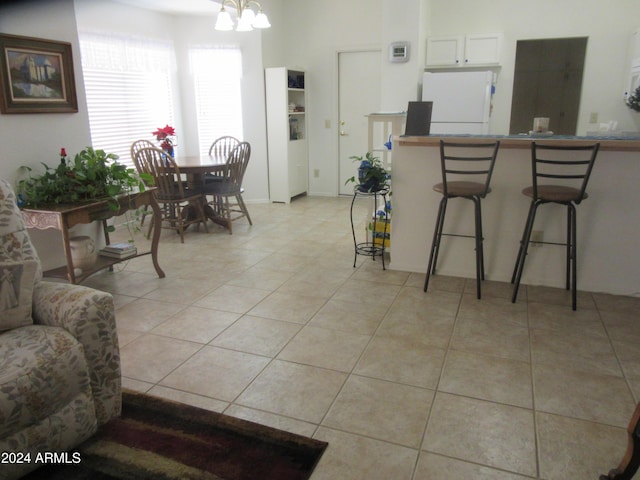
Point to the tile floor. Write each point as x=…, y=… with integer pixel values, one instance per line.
x=273, y=324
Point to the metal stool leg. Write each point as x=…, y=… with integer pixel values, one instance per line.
x=569, y=243
x=353, y=232
x=435, y=245
x=526, y=237
x=573, y=252
x=481, y=238
x=478, y=238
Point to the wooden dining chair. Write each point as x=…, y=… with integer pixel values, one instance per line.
x=223, y=146
x=230, y=187
x=220, y=148
x=135, y=147
x=177, y=198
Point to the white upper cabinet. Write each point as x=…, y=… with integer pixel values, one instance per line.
x=464, y=51
x=445, y=51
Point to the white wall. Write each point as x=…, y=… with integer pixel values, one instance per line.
x=403, y=21
x=316, y=31
x=28, y=139
x=184, y=32
x=198, y=31
x=607, y=24
x=309, y=34
x=314, y=34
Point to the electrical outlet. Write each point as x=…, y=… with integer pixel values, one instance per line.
x=537, y=237
x=593, y=118
x=316, y=173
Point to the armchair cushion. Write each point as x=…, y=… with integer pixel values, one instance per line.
x=43, y=371
x=88, y=315
x=16, y=293
x=15, y=244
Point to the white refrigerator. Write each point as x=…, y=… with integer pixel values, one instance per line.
x=461, y=101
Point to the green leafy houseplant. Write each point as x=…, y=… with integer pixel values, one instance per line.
x=372, y=176
x=91, y=175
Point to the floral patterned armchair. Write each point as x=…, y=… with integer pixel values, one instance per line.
x=59, y=357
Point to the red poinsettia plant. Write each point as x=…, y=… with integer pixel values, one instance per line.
x=164, y=135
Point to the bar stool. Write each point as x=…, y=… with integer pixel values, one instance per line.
x=568, y=169
x=466, y=173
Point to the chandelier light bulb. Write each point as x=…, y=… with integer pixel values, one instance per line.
x=247, y=19
x=224, y=22
x=261, y=21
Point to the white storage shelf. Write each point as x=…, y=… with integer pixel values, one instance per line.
x=286, y=133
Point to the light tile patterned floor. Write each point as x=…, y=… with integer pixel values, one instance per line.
x=274, y=324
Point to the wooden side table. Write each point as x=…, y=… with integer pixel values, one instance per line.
x=63, y=217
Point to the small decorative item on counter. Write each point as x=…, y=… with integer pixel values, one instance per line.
x=165, y=136
x=633, y=100
x=372, y=176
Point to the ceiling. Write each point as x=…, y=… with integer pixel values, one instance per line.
x=186, y=7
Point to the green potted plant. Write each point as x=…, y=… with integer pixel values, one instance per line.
x=91, y=175
x=372, y=176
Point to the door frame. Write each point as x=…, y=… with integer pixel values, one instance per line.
x=364, y=49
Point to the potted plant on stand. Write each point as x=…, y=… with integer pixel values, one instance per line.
x=372, y=176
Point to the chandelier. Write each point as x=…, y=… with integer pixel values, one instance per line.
x=247, y=18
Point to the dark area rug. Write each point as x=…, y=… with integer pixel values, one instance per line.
x=160, y=439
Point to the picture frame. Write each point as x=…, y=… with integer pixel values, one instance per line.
x=36, y=76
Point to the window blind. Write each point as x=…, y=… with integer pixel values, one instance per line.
x=217, y=77
x=128, y=83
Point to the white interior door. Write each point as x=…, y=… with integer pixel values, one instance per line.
x=359, y=95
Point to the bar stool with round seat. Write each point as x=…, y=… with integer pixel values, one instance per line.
x=565, y=170
x=466, y=173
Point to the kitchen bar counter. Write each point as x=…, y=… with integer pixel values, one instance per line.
x=607, y=143
x=608, y=221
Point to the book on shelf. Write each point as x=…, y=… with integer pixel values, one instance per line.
x=122, y=254
x=119, y=247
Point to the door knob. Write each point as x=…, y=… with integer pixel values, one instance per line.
x=343, y=133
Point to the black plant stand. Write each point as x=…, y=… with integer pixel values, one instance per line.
x=371, y=248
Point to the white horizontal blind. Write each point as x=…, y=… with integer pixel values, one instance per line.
x=217, y=74
x=128, y=88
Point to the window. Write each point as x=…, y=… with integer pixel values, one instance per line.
x=217, y=75
x=128, y=88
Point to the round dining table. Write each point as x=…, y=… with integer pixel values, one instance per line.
x=195, y=167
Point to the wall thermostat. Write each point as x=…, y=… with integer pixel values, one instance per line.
x=399, y=52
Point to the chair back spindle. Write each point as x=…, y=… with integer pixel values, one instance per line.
x=467, y=167
x=566, y=166
x=223, y=146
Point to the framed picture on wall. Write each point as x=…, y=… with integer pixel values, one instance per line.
x=36, y=76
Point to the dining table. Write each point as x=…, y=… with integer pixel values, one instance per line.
x=196, y=168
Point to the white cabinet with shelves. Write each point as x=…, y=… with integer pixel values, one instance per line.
x=464, y=50
x=285, y=92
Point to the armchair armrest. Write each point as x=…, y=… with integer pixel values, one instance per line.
x=87, y=314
